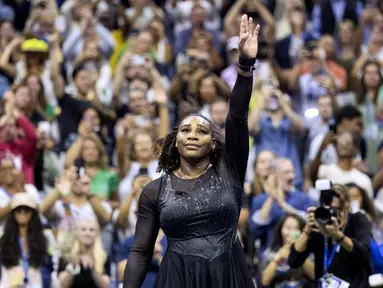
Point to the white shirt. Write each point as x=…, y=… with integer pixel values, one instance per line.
x=336, y=175
x=329, y=155
x=126, y=184
x=85, y=211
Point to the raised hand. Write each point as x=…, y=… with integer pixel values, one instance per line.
x=248, y=37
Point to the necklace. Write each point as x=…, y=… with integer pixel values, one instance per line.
x=194, y=181
x=185, y=177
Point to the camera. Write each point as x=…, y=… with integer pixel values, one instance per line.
x=324, y=211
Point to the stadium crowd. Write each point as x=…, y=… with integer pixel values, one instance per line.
x=88, y=86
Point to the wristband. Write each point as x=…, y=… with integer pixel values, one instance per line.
x=246, y=64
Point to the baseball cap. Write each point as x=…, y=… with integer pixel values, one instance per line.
x=34, y=45
x=7, y=14
x=232, y=43
x=23, y=199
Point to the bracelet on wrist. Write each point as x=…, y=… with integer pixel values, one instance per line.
x=340, y=240
x=246, y=64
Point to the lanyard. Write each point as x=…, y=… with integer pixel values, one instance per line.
x=327, y=261
x=25, y=262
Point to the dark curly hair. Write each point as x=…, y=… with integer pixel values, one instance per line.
x=37, y=243
x=169, y=157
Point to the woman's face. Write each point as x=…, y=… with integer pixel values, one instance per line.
x=22, y=98
x=91, y=116
x=194, y=138
x=289, y=228
x=34, y=86
x=144, y=42
x=371, y=76
x=8, y=172
x=355, y=194
x=23, y=215
x=137, y=101
x=91, y=50
x=290, y=4
x=90, y=152
x=263, y=165
x=346, y=29
x=203, y=44
x=208, y=92
x=87, y=232
x=6, y=30
x=143, y=146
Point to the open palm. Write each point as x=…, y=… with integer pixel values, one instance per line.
x=248, y=37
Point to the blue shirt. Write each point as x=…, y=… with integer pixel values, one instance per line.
x=280, y=141
x=264, y=229
x=123, y=253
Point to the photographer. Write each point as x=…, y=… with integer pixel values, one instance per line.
x=340, y=241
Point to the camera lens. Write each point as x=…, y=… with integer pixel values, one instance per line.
x=323, y=216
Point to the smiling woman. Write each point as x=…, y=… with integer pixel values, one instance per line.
x=198, y=199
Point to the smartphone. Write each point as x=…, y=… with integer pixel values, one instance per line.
x=80, y=165
x=142, y=121
x=322, y=53
x=294, y=235
x=138, y=60
x=44, y=127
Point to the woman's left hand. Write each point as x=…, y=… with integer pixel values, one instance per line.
x=248, y=37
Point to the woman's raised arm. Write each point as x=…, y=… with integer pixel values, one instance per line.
x=237, y=131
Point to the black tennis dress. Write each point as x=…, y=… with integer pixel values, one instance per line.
x=199, y=217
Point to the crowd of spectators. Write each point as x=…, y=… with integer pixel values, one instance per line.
x=88, y=86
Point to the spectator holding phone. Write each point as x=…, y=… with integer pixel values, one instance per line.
x=276, y=271
x=341, y=246
x=322, y=148
x=343, y=171
x=73, y=192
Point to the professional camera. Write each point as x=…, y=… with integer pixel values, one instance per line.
x=324, y=211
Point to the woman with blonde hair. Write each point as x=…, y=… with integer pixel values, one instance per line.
x=88, y=259
x=89, y=152
x=137, y=155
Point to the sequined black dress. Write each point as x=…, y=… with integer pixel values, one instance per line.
x=199, y=217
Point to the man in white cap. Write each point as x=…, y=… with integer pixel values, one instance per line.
x=229, y=75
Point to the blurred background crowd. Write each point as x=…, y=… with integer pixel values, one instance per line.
x=88, y=86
